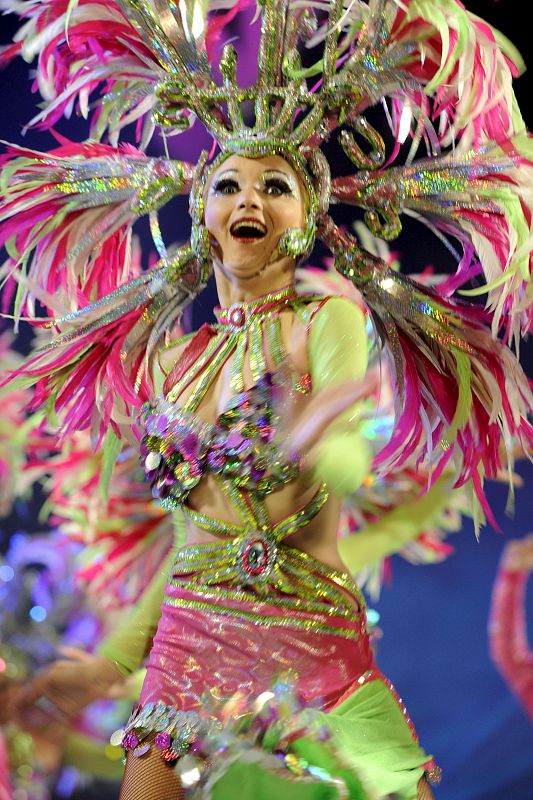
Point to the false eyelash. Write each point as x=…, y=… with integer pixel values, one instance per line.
x=224, y=183
x=279, y=183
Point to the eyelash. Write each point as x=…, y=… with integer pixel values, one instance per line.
x=272, y=183
x=277, y=183
x=226, y=183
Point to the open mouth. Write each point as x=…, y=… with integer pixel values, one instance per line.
x=248, y=230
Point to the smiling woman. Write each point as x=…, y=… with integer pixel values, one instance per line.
x=250, y=205
x=261, y=682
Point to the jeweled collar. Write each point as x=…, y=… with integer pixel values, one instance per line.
x=239, y=316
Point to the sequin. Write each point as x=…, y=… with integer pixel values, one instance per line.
x=163, y=740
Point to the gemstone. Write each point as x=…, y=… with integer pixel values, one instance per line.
x=152, y=461
x=141, y=750
x=163, y=740
x=169, y=756
x=237, y=316
x=130, y=741
x=256, y=556
x=116, y=738
x=161, y=424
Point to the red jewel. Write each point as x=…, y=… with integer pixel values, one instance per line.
x=170, y=756
x=237, y=316
x=305, y=383
x=255, y=557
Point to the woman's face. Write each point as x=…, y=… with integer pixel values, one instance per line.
x=249, y=204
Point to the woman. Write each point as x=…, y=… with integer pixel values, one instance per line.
x=258, y=619
x=253, y=427
x=275, y=611
x=281, y=600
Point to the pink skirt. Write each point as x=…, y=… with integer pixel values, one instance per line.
x=246, y=645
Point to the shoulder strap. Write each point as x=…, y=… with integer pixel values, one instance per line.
x=191, y=353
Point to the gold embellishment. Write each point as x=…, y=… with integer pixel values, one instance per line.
x=263, y=619
x=287, y=570
x=309, y=604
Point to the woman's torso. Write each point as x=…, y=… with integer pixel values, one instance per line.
x=318, y=537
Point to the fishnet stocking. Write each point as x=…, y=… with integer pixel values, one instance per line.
x=150, y=778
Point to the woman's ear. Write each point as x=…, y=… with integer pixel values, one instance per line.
x=214, y=247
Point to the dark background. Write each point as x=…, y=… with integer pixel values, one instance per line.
x=434, y=618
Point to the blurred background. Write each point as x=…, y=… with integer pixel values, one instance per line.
x=433, y=618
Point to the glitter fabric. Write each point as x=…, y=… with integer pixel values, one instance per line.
x=233, y=639
x=177, y=448
x=220, y=652
x=238, y=730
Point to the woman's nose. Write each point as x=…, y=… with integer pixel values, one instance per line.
x=249, y=198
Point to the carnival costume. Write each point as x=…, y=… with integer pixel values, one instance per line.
x=247, y=613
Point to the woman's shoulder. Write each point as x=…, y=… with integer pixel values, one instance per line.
x=167, y=358
x=329, y=308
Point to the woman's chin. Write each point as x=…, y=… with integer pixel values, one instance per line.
x=245, y=267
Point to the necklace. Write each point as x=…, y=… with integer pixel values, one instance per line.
x=242, y=315
x=253, y=327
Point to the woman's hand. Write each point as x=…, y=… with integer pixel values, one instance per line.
x=44, y=705
x=309, y=425
x=66, y=686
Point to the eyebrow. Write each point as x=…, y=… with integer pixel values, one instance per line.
x=225, y=173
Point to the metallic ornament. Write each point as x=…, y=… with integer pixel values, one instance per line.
x=255, y=557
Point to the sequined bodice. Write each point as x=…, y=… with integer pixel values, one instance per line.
x=178, y=447
x=242, y=450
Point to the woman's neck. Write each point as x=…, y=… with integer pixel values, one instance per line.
x=234, y=289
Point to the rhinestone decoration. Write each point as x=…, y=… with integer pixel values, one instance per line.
x=175, y=730
x=177, y=448
x=236, y=316
x=256, y=557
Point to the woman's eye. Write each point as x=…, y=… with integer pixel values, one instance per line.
x=226, y=186
x=277, y=186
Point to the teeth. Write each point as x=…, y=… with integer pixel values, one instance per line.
x=248, y=223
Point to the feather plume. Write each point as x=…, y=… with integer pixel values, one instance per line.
x=99, y=369
x=116, y=50
x=483, y=200
x=66, y=218
x=459, y=390
x=110, y=512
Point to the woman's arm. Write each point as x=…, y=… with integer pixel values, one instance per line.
x=508, y=642
x=80, y=678
x=394, y=529
x=338, y=355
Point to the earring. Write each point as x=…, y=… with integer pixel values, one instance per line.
x=200, y=242
x=298, y=242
